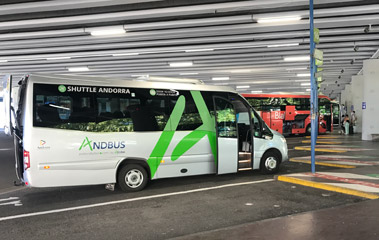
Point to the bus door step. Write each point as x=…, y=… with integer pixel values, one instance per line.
x=244, y=161
x=245, y=169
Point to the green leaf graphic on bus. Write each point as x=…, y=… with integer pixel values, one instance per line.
x=86, y=142
x=206, y=129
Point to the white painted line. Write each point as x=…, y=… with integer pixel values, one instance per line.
x=6, y=149
x=347, y=163
x=8, y=199
x=11, y=190
x=15, y=203
x=129, y=200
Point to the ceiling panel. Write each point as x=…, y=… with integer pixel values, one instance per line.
x=220, y=38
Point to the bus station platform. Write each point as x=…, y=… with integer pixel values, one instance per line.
x=354, y=171
x=355, y=165
x=355, y=221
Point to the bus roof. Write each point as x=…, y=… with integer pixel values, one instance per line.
x=250, y=95
x=119, y=82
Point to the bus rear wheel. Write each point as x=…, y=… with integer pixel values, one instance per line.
x=132, y=178
x=270, y=162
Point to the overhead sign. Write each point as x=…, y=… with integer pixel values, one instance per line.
x=316, y=35
x=318, y=54
x=319, y=62
x=318, y=74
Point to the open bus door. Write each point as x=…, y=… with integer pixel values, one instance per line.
x=12, y=127
x=7, y=99
x=227, y=137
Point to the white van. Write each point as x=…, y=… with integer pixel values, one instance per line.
x=77, y=130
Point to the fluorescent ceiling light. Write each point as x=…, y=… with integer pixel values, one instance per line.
x=243, y=86
x=296, y=59
x=78, y=69
x=240, y=71
x=58, y=58
x=27, y=59
x=266, y=82
x=279, y=19
x=303, y=74
x=256, y=91
x=105, y=32
x=200, y=50
x=283, y=45
x=3, y=61
x=220, y=78
x=305, y=84
x=124, y=54
x=140, y=75
x=188, y=74
x=302, y=80
x=294, y=69
x=181, y=64
x=308, y=90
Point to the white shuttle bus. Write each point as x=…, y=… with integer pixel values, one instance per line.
x=76, y=130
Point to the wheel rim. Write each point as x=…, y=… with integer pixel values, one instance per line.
x=271, y=163
x=134, y=178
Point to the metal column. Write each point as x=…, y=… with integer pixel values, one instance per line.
x=314, y=90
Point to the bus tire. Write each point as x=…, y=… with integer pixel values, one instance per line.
x=270, y=162
x=308, y=131
x=132, y=178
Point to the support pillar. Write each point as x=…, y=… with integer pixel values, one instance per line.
x=357, y=99
x=370, y=115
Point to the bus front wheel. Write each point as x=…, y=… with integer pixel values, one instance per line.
x=132, y=178
x=309, y=130
x=270, y=162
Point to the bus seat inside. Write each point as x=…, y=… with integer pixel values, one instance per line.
x=49, y=115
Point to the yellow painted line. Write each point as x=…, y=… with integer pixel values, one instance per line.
x=327, y=187
x=323, y=163
x=321, y=142
x=327, y=137
x=320, y=149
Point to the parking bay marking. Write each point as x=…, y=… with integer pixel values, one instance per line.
x=6, y=149
x=129, y=200
x=13, y=201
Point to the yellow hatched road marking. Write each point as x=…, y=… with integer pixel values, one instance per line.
x=320, y=149
x=323, y=163
x=327, y=187
x=327, y=137
x=321, y=142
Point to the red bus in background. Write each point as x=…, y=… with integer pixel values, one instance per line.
x=290, y=114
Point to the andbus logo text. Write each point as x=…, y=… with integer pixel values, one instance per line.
x=101, y=145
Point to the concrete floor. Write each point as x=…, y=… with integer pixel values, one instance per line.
x=172, y=208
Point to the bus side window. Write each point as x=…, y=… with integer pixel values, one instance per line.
x=190, y=119
x=136, y=112
x=257, y=124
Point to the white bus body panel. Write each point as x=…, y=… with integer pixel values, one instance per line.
x=196, y=161
x=227, y=155
x=66, y=165
x=57, y=161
